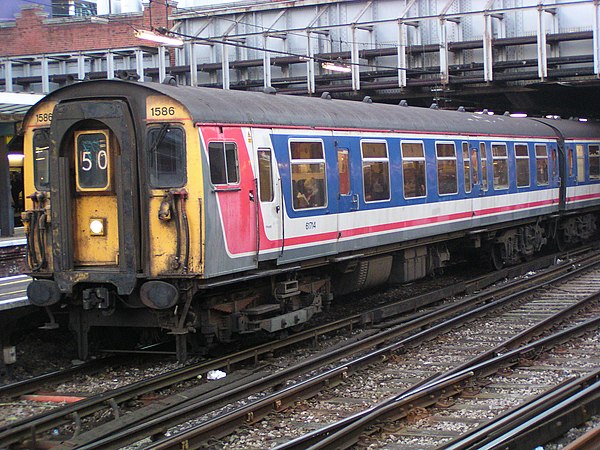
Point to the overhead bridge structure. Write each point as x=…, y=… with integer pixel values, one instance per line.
x=535, y=56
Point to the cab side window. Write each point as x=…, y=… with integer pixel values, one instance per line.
x=223, y=161
x=166, y=156
x=41, y=149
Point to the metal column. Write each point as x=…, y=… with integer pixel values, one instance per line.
x=139, y=64
x=596, y=38
x=225, y=65
x=162, y=64
x=402, y=68
x=355, y=62
x=110, y=65
x=45, y=76
x=541, y=45
x=310, y=65
x=488, y=60
x=266, y=63
x=7, y=225
x=193, y=65
x=80, y=66
x=8, y=83
x=444, y=77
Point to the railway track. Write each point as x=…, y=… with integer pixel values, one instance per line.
x=27, y=430
x=411, y=398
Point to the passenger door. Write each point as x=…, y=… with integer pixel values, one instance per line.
x=269, y=195
x=96, y=198
x=348, y=196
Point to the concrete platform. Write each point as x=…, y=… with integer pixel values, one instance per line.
x=13, y=241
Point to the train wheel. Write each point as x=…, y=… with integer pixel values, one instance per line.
x=560, y=243
x=496, y=258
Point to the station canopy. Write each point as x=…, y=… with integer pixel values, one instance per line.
x=14, y=106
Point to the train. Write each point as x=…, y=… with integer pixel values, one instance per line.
x=214, y=215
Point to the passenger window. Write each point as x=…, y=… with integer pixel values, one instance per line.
x=344, y=171
x=376, y=171
x=484, y=175
x=166, y=156
x=308, y=174
x=554, y=164
x=92, y=158
x=500, y=165
x=265, y=175
x=466, y=166
x=475, y=165
x=522, y=163
x=594, y=161
x=541, y=164
x=446, y=168
x=223, y=161
x=41, y=154
x=581, y=162
x=413, y=170
x=570, y=162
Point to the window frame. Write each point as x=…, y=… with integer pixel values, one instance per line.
x=411, y=159
x=108, y=160
x=321, y=161
x=595, y=157
x=521, y=159
x=344, y=176
x=375, y=160
x=261, y=178
x=545, y=158
x=227, y=183
x=45, y=133
x=153, y=174
x=466, y=156
x=581, y=151
x=484, y=163
x=446, y=158
x=500, y=158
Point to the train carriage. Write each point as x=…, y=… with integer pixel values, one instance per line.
x=226, y=213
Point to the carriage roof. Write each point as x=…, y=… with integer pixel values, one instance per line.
x=209, y=105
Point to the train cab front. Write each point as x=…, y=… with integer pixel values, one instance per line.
x=104, y=177
x=86, y=196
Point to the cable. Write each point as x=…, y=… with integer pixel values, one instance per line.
x=279, y=52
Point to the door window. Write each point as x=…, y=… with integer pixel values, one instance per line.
x=92, y=160
x=541, y=164
x=344, y=171
x=265, y=174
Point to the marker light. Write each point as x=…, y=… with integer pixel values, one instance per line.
x=336, y=67
x=97, y=227
x=160, y=38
